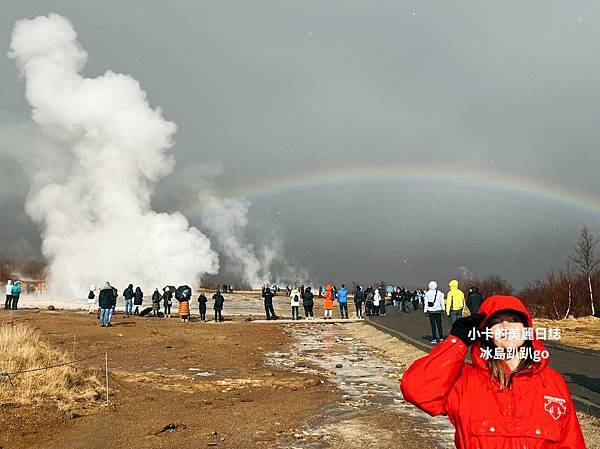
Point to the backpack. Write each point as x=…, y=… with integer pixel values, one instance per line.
x=91, y=295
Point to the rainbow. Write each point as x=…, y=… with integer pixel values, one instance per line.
x=445, y=176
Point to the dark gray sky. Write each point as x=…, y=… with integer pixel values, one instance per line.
x=267, y=90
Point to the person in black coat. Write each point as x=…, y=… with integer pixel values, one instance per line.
x=218, y=306
x=202, y=300
x=308, y=303
x=128, y=297
x=105, y=303
x=369, y=306
x=167, y=301
x=415, y=299
x=358, y=301
x=115, y=295
x=406, y=300
x=268, y=299
x=474, y=300
x=138, y=299
x=156, y=298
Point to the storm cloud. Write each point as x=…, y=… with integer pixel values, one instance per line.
x=268, y=92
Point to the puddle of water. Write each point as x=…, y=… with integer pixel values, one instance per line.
x=369, y=384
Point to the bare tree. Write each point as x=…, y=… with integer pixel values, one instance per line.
x=551, y=287
x=586, y=259
x=493, y=284
x=569, y=277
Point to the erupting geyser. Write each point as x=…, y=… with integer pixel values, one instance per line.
x=97, y=221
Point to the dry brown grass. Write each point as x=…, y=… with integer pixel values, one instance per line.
x=581, y=332
x=21, y=348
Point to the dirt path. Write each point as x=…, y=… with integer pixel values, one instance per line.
x=210, y=378
x=370, y=410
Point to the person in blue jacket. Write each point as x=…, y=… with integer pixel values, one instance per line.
x=342, y=299
x=16, y=293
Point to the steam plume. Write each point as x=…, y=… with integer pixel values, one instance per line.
x=97, y=222
x=226, y=221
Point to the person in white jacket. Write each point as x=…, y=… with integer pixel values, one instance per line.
x=8, y=300
x=433, y=307
x=92, y=300
x=376, y=300
x=295, y=302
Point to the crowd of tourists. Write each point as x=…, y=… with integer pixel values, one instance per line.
x=161, y=303
x=371, y=300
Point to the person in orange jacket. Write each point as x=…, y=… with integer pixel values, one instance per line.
x=497, y=402
x=184, y=310
x=328, y=302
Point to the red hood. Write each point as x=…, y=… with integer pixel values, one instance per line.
x=494, y=304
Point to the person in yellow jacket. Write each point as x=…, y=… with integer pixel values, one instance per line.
x=455, y=301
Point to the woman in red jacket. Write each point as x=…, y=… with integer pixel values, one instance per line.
x=519, y=402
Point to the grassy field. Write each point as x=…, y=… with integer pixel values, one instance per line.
x=579, y=332
x=21, y=348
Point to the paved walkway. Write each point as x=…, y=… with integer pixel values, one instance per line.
x=580, y=367
x=307, y=322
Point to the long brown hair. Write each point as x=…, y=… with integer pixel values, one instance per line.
x=497, y=367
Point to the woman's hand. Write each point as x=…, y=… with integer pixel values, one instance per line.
x=463, y=326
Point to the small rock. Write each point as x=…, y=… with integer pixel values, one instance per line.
x=339, y=365
x=171, y=427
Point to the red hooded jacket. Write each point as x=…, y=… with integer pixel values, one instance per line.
x=536, y=412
